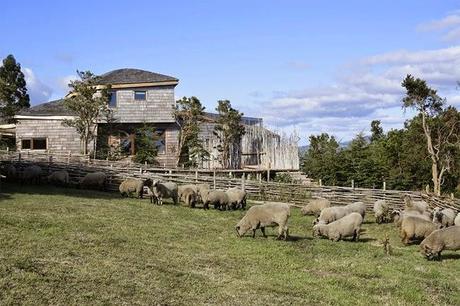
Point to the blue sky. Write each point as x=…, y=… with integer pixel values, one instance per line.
x=308, y=66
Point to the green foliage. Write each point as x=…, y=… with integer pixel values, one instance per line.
x=13, y=91
x=284, y=177
x=229, y=131
x=189, y=115
x=146, y=145
x=89, y=104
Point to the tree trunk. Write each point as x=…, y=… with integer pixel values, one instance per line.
x=434, y=161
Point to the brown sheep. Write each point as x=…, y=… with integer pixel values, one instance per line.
x=415, y=228
x=315, y=206
x=189, y=197
x=134, y=186
x=439, y=240
x=218, y=198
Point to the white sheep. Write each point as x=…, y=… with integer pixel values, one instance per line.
x=411, y=205
x=348, y=226
x=445, y=217
x=330, y=214
x=236, y=198
x=457, y=220
x=358, y=207
x=164, y=190
x=381, y=211
x=218, y=198
x=315, y=206
x=266, y=215
x=439, y=240
x=415, y=228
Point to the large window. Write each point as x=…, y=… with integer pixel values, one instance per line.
x=140, y=95
x=161, y=141
x=34, y=144
x=112, y=99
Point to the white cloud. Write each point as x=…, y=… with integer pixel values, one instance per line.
x=64, y=82
x=449, y=26
x=37, y=90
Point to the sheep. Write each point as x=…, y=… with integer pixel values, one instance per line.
x=381, y=211
x=134, y=185
x=60, y=177
x=31, y=174
x=358, y=207
x=189, y=196
x=439, y=240
x=418, y=206
x=398, y=216
x=95, y=180
x=415, y=228
x=164, y=190
x=331, y=214
x=266, y=215
x=218, y=198
x=315, y=206
x=181, y=188
x=202, y=189
x=11, y=172
x=237, y=198
x=445, y=217
x=350, y=225
x=457, y=220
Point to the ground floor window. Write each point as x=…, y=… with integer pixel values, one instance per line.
x=34, y=144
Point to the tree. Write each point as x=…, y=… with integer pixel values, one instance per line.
x=440, y=126
x=88, y=103
x=146, y=144
x=189, y=114
x=229, y=131
x=376, y=130
x=13, y=91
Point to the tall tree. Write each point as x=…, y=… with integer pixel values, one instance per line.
x=376, y=130
x=189, y=114
x=229, y=131
x=89, y=104
x=440, y=126
x=13, y=91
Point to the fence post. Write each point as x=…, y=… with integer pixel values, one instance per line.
x=214, y=178
x=19, y=157
x=243, y=182
x=140, y=170
x=68, y=157
x=196, y=176
x=268, y=175
x=353, y=184
x=384, y=185
x=320, y=182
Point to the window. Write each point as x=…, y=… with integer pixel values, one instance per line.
x=139, y=95
x=161, y=141
x=112, y=99
x=34, y=144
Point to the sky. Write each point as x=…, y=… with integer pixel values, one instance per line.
x=303, y=66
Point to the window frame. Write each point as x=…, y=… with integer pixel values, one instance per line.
x=140, y=91
x=113, y=93
x=32, y=147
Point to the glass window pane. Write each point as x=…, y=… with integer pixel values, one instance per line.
x=139, y=95
x=113, y=99
x=161, y=141
x=39, y=143
x=26, y=144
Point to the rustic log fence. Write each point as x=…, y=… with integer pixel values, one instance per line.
x=295, y=194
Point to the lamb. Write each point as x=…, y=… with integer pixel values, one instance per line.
x=237, y=198
x=189, y=197
x=457, y=220
x=31, y=174
x=381, y=211
x=350, y=225
x=418, y=206
x=445, y=217
x=315, y=206
x=95, y=180
x=134, y=185
x=266, y=215
x=415, y=228
x=164, y=190
x=218, y=198
x=439, y=240
x=60, y=177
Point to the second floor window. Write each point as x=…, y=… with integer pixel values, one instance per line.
x=139, y=95
x=112, y=99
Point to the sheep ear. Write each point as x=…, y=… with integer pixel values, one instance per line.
x=237, y=227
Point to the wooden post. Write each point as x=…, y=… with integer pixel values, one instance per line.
x=214, y=178
x=7, y=149
x=268, y=175
x=384, y=185
x=353, y=184
x=196, y=176
x=452, y=195
x=19, y=156
x=140, y=170
x=68, y=157
x=243, y=182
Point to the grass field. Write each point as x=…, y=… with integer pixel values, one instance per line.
x=64, y=246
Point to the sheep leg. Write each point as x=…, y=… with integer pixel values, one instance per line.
x=254, y=233
x=263, y=231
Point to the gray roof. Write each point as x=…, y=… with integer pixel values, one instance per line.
x=129, y=76
x=245, y=120
x=52, y=108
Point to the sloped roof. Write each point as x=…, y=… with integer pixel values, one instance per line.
x=52, y=108
x=133, y=76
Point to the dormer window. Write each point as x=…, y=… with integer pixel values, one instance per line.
x=139, y=95
x=112, y=99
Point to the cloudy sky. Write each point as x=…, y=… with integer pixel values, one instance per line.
x=305, y=66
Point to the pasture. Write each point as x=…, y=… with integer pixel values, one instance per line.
x=65, y=246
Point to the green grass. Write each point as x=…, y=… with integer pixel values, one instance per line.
x=64, y=246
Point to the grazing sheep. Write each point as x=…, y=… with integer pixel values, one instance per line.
x=202, y=189
x=418, y=206
x=315, y=206
x=330, y=214
x=60, y=177
x=164, y=190
x=266, y=215
x=415, y=228
x=134, y=185
x=445, y=217
x=95, y=180
x=218, y=198
x=439, y=240
x=31, y=174
x=236, y=198
x=398, y=216
x=350, y=225
x=11, y=172
x=457, y=220
x=181, y=188
x=358, y=207
x=189, y=196
x=381, y=211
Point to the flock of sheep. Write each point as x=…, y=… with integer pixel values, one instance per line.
x=437, y=229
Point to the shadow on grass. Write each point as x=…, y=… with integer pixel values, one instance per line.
x=450, y=256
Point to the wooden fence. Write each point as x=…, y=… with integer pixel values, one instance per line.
x=295, y=194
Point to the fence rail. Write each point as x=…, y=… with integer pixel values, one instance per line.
x=295, y=194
